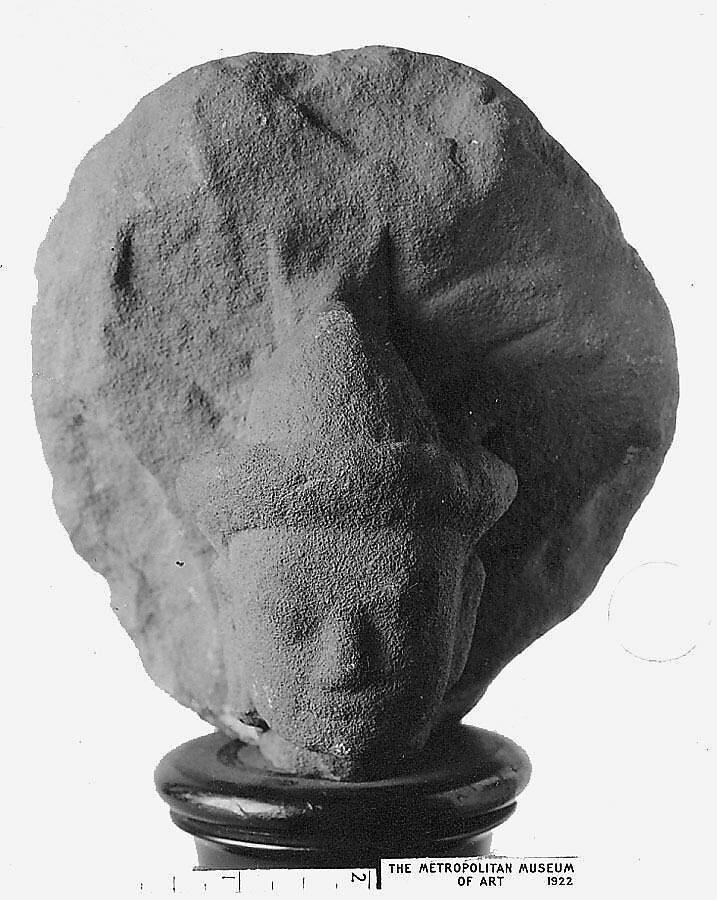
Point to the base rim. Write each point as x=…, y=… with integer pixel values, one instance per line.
x=233, y=812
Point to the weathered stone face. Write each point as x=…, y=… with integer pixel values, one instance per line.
x=344, y=640
x=481, y=319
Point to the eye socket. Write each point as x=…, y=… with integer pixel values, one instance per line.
x=281, y=609
x=294, y=623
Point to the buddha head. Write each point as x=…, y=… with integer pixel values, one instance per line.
x=346, y=549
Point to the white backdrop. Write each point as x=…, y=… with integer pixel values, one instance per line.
x=619, y=745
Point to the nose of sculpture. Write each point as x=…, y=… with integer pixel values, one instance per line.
x=343, y=660
x=349, y=655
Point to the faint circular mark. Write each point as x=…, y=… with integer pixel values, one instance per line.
x=655, y=614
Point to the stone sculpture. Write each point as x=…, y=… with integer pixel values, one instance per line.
x=350, y=386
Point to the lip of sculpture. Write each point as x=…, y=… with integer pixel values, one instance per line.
x=351, y=685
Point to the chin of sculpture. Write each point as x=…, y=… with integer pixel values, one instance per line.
x=350, y=385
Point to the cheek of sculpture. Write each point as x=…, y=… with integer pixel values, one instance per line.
x=344, y=657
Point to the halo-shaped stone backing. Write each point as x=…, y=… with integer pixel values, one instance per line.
x=463, y=785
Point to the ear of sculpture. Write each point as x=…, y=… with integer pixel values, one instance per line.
x=471, y=590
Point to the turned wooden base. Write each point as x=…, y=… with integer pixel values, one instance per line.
x=244, y=815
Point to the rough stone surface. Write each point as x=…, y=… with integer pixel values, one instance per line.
x=415, y=212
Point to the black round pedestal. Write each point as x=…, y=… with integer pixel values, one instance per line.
x=243, y=815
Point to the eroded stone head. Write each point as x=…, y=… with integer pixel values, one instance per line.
x=344, y=530
x=303, y=325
